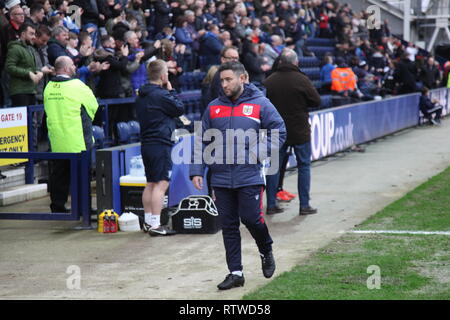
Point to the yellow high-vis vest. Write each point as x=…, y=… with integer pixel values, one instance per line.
x=69, y=105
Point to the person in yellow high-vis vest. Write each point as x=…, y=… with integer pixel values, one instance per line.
x=70, y=107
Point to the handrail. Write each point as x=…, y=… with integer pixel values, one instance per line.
x=79, y=186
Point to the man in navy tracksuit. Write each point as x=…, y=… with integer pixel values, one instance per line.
x=158, y=109
x=239, y=184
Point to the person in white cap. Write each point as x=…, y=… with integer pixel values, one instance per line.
x=10, y=4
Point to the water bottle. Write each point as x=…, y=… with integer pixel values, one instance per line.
x=133, y=164
x=140, y=170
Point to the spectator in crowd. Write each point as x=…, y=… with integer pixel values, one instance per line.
x=238, y=188
x=361, y=70
x=109, y=85
x=325, y=74
x=37, y=15
x=47, y=10
x=21, y=66
x=324, y=28
x=72, y=45
x=57, y=44
x=210, y=13
x=430, y=108
x=343, y=79
x=210, y=48
x=139, y=77
x=135, y=8
x=228, y=54
x=254, y=64
x=43, y=35
x=406, y=75
x=8, y=33
x=39, y=50
x=70, y=107
x=411, y=51
x=430, y=74
x=205, y=87
x=378, y=62
x=90, y=18
x=61, y=10
x=162, y=15
x=157, y=108
x=11, y=32
x=268, y=54
x=55, y=21
x=183, y=36
x=173, y=56
x=293, y=95
x=277, y=44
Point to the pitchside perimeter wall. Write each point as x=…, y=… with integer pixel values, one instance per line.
x=337, y=129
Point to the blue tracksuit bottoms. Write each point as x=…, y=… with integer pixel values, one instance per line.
x=242, y=204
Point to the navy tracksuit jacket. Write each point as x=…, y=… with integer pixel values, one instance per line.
x=238, y=188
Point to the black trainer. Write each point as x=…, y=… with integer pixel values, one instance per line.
x=161, y=231
x=268, y=264
x=307, y=210
x=231, y=281
x=274, y=210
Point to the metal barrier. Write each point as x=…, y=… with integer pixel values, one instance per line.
x=79, y=187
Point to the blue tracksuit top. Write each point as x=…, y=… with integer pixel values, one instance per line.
x=157, y=110
x=252, y=110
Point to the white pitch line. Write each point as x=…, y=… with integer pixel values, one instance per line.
x=446, y=233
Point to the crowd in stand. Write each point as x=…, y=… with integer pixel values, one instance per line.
x=112, y=41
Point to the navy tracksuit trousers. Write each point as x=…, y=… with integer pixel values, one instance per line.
x=241, y=204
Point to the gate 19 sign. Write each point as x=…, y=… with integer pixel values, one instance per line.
x=13, y=133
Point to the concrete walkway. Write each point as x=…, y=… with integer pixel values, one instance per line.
x=35, y=256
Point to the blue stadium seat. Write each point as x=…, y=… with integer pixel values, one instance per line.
x=192, y=101
x=123, y=133
x=308, y=62
x=191, y=80
x=320, y=42
x=326, y=101
x=99, y=137
x=312, y=73
x=135, y=131
x=321, y=51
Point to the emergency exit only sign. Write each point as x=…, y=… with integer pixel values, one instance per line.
x=13, y=133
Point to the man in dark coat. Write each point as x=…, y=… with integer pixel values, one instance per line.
x=293, y=94
x=430, y=75
x=254, y=64
x=406, y=75
x=109, y=84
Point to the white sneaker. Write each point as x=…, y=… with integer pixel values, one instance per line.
x=161, y=231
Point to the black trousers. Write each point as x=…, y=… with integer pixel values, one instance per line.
x=19, y=100
x=59, y=184
x=241, y=204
